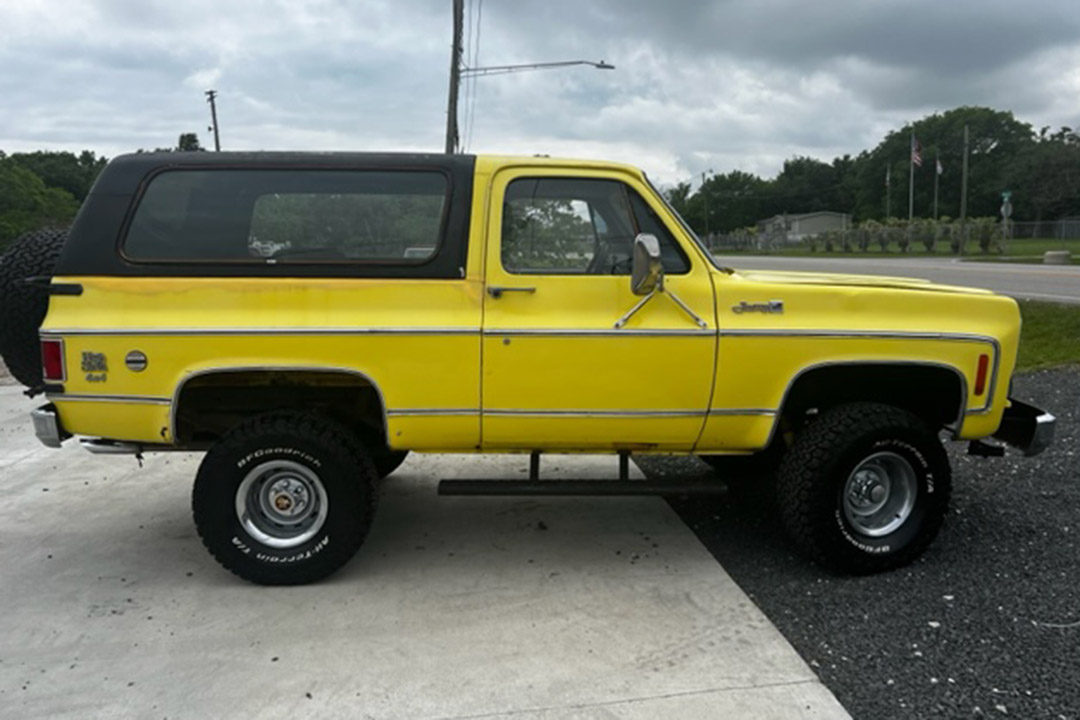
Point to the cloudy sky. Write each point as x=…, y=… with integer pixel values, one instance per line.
x=698, y=85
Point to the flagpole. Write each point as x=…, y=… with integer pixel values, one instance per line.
x=937, y=176
x=911, y=178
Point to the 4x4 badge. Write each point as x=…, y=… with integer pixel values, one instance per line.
x=95, y=366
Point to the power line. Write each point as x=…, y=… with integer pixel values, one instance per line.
x=474, y=63
x=466, y=110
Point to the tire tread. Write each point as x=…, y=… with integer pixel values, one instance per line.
x=810, y=460
x=300, y=426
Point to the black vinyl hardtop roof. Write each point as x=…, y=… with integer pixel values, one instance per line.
x=94, y=243
x=163, y=158
x=126, y=171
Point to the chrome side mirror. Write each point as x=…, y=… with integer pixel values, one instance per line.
x=647, y=274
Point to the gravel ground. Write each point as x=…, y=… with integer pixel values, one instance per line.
x=985, y=624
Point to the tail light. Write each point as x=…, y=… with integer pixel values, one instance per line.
x=52, y=360
x=980, y=375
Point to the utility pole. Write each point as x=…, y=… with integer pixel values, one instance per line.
x=210, y=95
x=455, y=78
x=705, y=198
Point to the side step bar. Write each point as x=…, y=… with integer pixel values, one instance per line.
x=623, y=487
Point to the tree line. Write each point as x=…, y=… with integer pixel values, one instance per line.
x=44, y=189
x=1040, y=167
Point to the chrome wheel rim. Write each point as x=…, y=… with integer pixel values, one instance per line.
x=879, y=494
x=281, y=503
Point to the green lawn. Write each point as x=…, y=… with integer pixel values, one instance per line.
x=1050, y=336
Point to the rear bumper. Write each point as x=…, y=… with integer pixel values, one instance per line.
x=1026, y=427
x=47, y=426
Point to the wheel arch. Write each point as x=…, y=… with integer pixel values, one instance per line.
x=935, y=391
x=279, y=376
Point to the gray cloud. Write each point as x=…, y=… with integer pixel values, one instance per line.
x=728, y=84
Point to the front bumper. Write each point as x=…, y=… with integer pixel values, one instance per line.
x=1026, y=427
x=47, y=426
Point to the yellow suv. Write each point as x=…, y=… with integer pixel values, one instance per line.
x=307, y=319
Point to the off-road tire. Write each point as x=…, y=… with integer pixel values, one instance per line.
x=387, y=461
x=317, y=446
x=22, y=306
x=817, y=468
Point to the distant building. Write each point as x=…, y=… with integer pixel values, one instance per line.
x=798, y=227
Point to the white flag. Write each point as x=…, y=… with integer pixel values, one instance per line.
x=940, y=168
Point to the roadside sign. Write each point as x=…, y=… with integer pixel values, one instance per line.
x=1006, y=209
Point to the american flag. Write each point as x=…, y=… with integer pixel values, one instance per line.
x=916, y=151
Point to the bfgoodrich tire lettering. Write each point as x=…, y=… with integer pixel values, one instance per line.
x=864, y=488
x=285, y=498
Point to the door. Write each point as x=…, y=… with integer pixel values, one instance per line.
x=558, y=373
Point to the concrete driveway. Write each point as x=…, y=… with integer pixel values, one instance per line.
x=455, y=607
x=1055, y=283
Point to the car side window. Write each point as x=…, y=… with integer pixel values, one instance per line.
x=570, y=226
x=290, y=217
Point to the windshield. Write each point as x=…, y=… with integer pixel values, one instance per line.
x=686, y=228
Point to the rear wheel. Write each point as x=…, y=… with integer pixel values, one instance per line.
x=864, y=488
x=285, y=498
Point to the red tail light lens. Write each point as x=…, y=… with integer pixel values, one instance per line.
x=52, y=360
x=980, y=375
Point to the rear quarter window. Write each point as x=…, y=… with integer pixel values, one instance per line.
x=273, y=216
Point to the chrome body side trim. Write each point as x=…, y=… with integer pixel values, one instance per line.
x=123, y=399
x=590, y=413
x=742, y=411
x=122, y=332
x=57, y=333
x=559, y=413
x=432, y=412
x=599, y=332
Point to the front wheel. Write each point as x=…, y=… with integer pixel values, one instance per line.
x=285, y=498
x=864, y=488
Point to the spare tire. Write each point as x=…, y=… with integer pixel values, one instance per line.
x=23, y=306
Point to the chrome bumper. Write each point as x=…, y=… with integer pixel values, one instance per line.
x=47, y=426
x=1026, y=428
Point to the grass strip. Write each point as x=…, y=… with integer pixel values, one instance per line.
x=1050, y=335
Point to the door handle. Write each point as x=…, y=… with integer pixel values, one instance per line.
x=496, y=291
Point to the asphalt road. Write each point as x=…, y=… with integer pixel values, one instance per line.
x=985, y=624
x=1055, y=283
